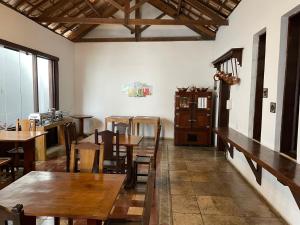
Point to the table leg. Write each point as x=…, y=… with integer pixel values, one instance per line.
x=138, y=129
x=29, y=155
x=61, y=134
x=94, y=222
x=29, y=220
x=130, y=177
x=41, y=148
x=80, y=127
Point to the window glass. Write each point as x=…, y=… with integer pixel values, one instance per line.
x=43, y=84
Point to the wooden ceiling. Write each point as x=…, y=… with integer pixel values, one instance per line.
x=73, y=19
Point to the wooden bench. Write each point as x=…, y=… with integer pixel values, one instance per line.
x=284, y=169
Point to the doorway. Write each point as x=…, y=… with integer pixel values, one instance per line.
x=223, y=113
x=290, y=111
x=259, y=87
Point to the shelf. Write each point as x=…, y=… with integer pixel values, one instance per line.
x=232, y=53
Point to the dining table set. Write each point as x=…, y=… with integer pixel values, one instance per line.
x=86, y=196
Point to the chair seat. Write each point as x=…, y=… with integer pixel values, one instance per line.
x=5, y=161
x=19, y=150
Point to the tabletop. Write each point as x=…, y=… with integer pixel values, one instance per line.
x=57, y=194
x=19, y=136
x=125, y=140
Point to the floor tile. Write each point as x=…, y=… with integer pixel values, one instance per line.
x=216, y=205
x=184, y=204
x=265, y=221
x=179, y=175
x=187, y=219
x=224, y=220
x=182, y=188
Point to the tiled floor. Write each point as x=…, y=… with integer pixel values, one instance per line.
x=207, y=190
x=194, y=186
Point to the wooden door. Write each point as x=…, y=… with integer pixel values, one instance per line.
x=259, y=87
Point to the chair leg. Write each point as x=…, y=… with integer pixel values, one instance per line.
x=135, y=169
x=12, y=168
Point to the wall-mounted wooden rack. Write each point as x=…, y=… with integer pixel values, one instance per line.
x=232, y=53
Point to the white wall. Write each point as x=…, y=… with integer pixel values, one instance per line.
x=20, y=30
x=102, y=68
x=250, y=17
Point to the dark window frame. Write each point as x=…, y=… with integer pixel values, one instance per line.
x=54, y=93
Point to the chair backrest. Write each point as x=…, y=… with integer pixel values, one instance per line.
x=123, y=128
x=25, y=125
x=149, y=197
x=110, y=142
x=70, y=137
x=14, y=215
x=90, y=157
x=157, y=138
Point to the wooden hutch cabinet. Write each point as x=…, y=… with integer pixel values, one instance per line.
x=193, y=118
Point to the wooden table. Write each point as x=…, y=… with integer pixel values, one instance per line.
x=81, y=118
x=118, y=119
x=41, y=144
x=25, y=139
x=129, y=142
x=56, y=194
x=149, y=120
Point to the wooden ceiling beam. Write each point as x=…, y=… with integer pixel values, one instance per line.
x=179, y=7
x=144, y=39
x=116, y=5
x=137, y=27
x=36, y=7
x=172, y=12
x=84, y=29
x=92, y=8
x=147, y=26
x=96, y=20
x=137, y=5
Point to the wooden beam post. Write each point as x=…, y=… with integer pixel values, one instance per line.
x=137, y=27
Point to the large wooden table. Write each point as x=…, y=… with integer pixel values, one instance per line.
x=147, y=120
x=129, y=141
x=25, y=139
x=41, y=145
x=72, y=195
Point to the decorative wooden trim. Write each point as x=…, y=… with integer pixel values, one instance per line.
x=232, y=53
x=257, y=171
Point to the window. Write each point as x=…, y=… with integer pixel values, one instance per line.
x=290, y=113
x=27, y=83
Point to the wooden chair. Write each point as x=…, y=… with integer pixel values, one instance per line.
x=7, y=164
x=123, y=128
x=14, y=216
x=145, y=159
x=113, y=161
x=90, y=158
x=18, y=152
x=147, y=202
x=70, y=137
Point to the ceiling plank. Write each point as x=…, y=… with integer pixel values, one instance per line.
x=116, y=4
x=172, y=12
x=96, y=20
x=54, y=8
x=206, y=11
x=144, y=39
x=36, y=7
